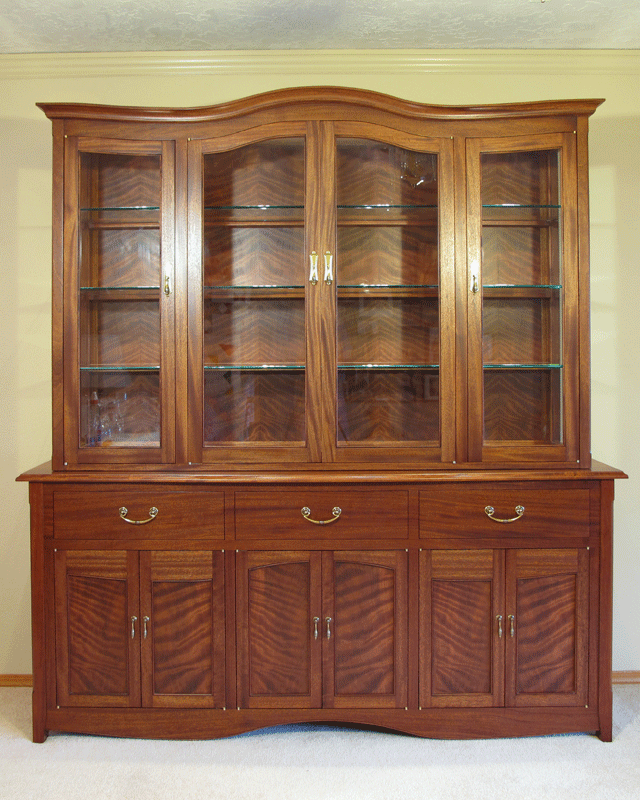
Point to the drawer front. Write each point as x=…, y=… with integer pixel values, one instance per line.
x=518, y=510
x=150, y=513
x=363, y=514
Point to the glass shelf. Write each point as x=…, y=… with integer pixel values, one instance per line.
x=521, y=205
x=522, y=286
x=387, y=366
x=121, y=368
x=387, y=286
x=385, y=206
x=254, y=367
x=522, y=366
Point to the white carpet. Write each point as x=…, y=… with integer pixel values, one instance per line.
x=311, y=762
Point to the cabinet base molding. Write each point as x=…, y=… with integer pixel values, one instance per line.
x=625, y=676
x=451, y=723
x=16, y=680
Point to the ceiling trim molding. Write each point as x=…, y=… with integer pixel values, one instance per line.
x=318, y=62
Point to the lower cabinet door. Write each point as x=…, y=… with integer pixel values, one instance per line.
x=97, y=616
x=461, y=628
x=279, y=629
x=138, y=629
x=547, y=604
x=322, y=629
x=365, y=629
x=182, y=628
x=504, y=627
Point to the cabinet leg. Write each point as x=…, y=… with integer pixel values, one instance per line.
x=39, y=731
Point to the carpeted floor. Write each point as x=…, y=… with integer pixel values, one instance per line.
x=311, y=762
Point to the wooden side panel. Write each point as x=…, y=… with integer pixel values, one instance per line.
x=461, y=630
x=278, y=654
x=547, y=620
x=182, y=629
x=96, y=619
x=365, y=629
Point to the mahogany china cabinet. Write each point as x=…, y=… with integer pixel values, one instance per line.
x=321, y=422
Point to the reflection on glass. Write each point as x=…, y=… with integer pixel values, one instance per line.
x=388, y=276
x=118, y=305
x=253, y=294
x=522, y=297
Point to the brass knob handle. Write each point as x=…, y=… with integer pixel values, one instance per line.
x=153, y=513
x=145, y=622
x=328, y=621
x=316, y=620
x=512, y=625
x=490, y=510
x=133, y=627
x=306, y=513
x=499, y=618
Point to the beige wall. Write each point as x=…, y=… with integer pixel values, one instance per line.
x=202, y=79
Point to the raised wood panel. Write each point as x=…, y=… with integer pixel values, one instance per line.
x=182, y=603
x=365, y=656
x=547, y=592
x=461, y=596
x=278, y=659
x=96, y=600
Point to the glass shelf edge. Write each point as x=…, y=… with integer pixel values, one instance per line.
x=522, y=366
x=151, y=368
x=253, y=367
x=387, y=366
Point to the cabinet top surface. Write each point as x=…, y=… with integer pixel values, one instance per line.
x=318, y=95
x=45, y=474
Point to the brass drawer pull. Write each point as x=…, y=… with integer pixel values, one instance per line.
x=489, y=511
x=153, y=513
x=306, y=513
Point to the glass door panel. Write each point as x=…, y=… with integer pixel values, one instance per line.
x=388, y=295
x=522, y=296
x=253, y=311
x=119, y=251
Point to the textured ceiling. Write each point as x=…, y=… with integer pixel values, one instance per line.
x=67, y=26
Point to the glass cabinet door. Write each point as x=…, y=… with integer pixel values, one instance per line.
x=248, y=254
x=394, y=393
x=521, y=270
x=123, y=296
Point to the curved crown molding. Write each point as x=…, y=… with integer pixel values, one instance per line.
x=319, y=62
x=279, y=100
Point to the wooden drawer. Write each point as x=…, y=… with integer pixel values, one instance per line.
x=96, y=514
x=363, y=514
x=459, y=511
